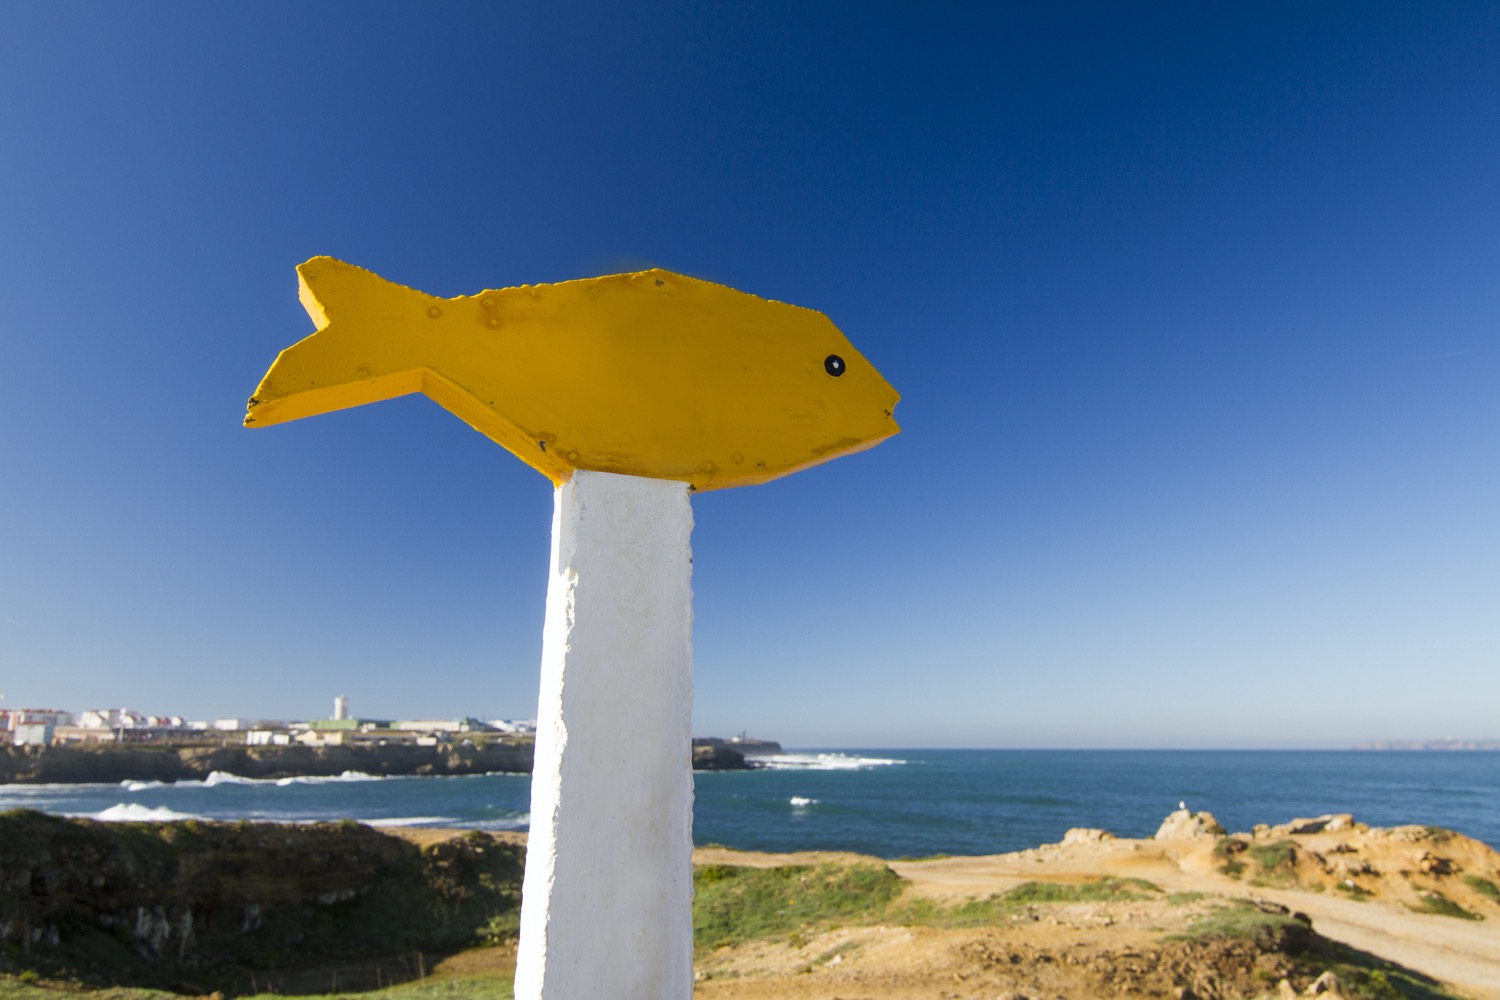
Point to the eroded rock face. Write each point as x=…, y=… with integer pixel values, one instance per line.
x=1086, y=835
x=158, y=883
x=110, y=763
x=1185, y=825
x=220, y=897
x=718, y=757
x=1327, y=823
x=116, y=762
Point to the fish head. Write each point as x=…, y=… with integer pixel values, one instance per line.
x=764, y=388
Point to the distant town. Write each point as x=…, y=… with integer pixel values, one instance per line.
x=48, y=726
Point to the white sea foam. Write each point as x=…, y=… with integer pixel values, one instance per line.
x=225, y=778
x=53, y=789
x=522, y=822
x=133, y=812
x=824, y=762
x=346, y=776
x=141, y=786
x=801, y=802
x=411, y=821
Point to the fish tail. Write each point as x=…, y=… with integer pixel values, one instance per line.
x=327, y=287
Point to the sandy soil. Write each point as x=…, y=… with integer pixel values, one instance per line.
x=1359, y=886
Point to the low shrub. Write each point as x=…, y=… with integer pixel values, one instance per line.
x=1437, y=903
x=734, y=904
x=1483, y=886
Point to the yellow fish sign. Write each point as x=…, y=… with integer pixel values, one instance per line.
x=648, y=374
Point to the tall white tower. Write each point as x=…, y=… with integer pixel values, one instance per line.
x=341, y=707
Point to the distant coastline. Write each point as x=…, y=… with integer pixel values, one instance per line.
x=1438, y=745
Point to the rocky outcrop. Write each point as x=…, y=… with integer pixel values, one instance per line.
x=116, y=762
x=718, y=757
x=1185, y=825
x=1086, y=835
x=215, y=901
x=745, y=746
x=1326, y=823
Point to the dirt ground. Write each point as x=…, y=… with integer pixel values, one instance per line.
x=1374, y=890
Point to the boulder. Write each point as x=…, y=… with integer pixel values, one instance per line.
x=1086, y=835
x=1327, y=823
x=1186, y=825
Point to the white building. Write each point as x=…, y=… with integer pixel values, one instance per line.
x=13, y=719
x=437, y=725
x=110, y=718
x=35, y=734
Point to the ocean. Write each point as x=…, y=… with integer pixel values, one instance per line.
x=887, y=803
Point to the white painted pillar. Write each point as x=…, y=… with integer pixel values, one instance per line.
x=606, y=905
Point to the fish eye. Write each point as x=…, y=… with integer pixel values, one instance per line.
x=833, y=365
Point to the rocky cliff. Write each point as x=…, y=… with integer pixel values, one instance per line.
x=235, y=906
x=115, y=762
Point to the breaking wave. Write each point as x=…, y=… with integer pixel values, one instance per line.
x=132, y=812
x=824, y=762
x=412, y=821
x=346, y=776
x=522, y=822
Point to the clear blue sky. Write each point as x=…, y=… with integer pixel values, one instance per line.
x=1195, y=309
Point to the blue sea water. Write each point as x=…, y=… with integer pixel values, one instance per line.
x=888, y=803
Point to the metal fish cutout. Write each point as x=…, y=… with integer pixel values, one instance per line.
x=650, y=374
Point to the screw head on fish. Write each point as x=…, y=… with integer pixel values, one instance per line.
x=650, y=374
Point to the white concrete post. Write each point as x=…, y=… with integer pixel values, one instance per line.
x=606, y=905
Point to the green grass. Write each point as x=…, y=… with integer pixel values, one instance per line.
x=1227, y=849
x=1483, y=886
x=1102, y=890
x=1363, y=977
x=1436, y=902
x=1240, y=920
x=1276, y=864
x=1271, y=857
x=734, y=904
x=1003, y=905
x=467, y=988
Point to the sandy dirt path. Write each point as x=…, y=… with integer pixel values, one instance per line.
x=1403, y=864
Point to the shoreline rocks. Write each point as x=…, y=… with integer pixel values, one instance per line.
x=1185, y=825
x=112, y=763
